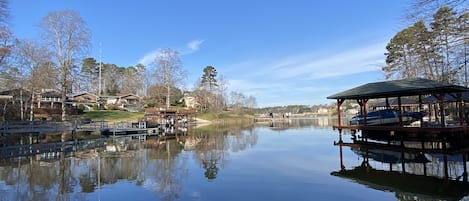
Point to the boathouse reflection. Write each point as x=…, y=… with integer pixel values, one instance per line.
x=413, y=168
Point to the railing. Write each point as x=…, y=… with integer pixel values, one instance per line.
x=48, y=99
x=8, y=127
x=40, y=148
x=141, y=125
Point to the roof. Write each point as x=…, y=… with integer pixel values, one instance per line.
x=398, y=88
x=130, y=95
x=395, y=102
x=449, y=97
x=51, y=94
x=81, y=94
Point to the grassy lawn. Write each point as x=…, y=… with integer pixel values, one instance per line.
x=215, y=116
x=113, y=115
x=116, y=115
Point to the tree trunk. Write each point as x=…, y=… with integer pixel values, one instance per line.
x=4, y=110
x=31, y=113
x=64, y=100
x=21, y=104
x=168, y=88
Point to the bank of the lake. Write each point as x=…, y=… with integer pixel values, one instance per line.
x=201, y=119
x=225, y=118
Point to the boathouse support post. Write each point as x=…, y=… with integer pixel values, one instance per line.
x=403, y=162
x=445, y=163
x=442, y=110
x=342, y=166
x=425, y=169
x=339, y=103
x=460, y=109
x=364, y=111
x=362, y=103
x=399, y=107
x=464, y=174
x=420, y=110
x=361, y=106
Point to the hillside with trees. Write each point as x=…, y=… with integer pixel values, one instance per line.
x=434, y=47
x=58, y=59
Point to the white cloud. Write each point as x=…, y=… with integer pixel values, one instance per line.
x=194, y=45
x=149, y=57
x=315, y=66
x=352, y=61
x=302, y=78
x=190, y=47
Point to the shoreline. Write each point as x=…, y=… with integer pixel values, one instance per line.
x=202, y=122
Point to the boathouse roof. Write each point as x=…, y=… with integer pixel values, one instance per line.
x=398, y=88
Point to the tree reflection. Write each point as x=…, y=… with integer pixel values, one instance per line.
x=214, y=143
x=66, y=181
x=155, y=164
x=32, y=179
x=167, y=170
x=210, y=165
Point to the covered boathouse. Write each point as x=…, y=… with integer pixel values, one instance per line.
x=417, y=88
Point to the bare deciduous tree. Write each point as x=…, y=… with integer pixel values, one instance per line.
x=6, y=37
x=69, y=37
x=424, y=9
x=31, y=59
x=168, y=71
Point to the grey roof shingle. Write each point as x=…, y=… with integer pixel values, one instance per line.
x=395, y=88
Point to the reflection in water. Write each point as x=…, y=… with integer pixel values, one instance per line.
x=156, y=164
x=324, y=122
x=211, y=148
x=415, y=169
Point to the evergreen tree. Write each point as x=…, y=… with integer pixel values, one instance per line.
x=443, y=28
x=209, y=78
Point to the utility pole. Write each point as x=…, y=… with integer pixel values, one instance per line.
x=100, y=67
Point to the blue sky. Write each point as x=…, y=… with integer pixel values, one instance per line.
x=281, y=52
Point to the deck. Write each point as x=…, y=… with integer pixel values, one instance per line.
x=418, y=89
x=454, y=133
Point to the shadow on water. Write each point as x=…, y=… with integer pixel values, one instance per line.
x=412, y=168
x=155, y=163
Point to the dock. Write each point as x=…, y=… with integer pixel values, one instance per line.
x=41, y=127
x=53, y=148
x=126, y=128
x=403, y=162
x=28, y=138
x=417, y=89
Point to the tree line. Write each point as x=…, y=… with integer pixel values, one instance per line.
x=433, y=47
x=58, y=59
x=212, y=95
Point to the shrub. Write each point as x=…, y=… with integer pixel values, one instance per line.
x=80, y=108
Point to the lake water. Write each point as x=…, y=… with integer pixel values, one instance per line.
x=286, y=161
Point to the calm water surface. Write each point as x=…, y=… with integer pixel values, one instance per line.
x=292, y=161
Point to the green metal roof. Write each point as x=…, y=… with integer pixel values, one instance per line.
x=398, y=88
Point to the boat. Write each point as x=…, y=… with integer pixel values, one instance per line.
x=386, y=117
x=390, y=156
